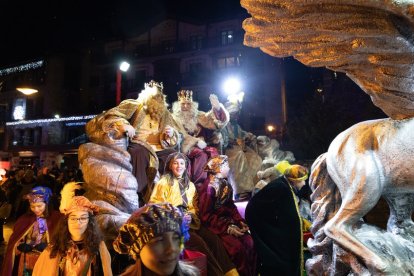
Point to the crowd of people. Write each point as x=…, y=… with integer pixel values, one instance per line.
x=186, y=184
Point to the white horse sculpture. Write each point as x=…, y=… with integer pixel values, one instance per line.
x=364, y=163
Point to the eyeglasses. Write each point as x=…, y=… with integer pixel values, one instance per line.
x=81, y=220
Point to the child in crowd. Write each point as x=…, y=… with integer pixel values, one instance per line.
x=77, y=248
x=31, y=234
x=154, y=237
x=275, y=222
x=176, y=188
x=220, y=215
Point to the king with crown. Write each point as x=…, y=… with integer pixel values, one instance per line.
x=204, y=129
x=153, y=133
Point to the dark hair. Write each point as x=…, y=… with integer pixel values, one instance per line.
x=61, y=239
x=48, y=208
x=168, y=173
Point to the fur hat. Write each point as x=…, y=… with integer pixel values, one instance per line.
x=70, y=202
x=146, y=223
x=292, y=172
x=39, y=194
x=214, y=164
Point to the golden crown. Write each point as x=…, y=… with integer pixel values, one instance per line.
x=153, y=83
x=185, y=95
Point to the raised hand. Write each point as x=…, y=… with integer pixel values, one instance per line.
x=214, y=101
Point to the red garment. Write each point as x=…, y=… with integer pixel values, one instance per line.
x=20, y=229
x=198, y=159
x=217, y=212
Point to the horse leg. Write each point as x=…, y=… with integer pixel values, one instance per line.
x=401, y=208
x=357, y=200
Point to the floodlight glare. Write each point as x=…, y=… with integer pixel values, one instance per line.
x=232, y=85
x=124, y=66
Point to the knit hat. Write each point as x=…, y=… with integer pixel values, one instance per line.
x=39, y=194
x=146, y=223
x=214, y=164
x=80, y=203
x=292, y=172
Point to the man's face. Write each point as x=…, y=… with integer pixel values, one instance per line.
x=185, y=106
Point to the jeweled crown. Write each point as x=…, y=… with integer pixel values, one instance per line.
x=185, y=95
x=153, y=83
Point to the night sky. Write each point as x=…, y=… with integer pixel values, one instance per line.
x=30, y=28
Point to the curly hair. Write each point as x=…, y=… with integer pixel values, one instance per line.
x=61, y=239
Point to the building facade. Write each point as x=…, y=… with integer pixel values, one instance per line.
x=183, y=54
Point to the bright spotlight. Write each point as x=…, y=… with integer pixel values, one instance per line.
x=232, y=86
x=57, y=116
x=124, y=66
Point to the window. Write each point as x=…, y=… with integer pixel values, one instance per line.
x=168, y=46
x=19, y=109
x=141, y=50
x=195, y=67
x=116, y=53
x=196, y=42
x=226, y=62
x=227, y=37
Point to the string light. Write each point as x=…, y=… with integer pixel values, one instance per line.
x=47, y=121
x=21, y=68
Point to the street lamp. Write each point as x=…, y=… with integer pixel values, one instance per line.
x=123, y=67
x=27, y=90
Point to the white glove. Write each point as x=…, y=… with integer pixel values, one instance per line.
x=169, y=131
x=201, y=144
x=128, y=130
x=214, y=102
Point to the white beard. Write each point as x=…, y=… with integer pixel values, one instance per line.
x=189, y=120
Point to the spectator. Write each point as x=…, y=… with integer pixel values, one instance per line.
x=77, y=248
x=30, y=234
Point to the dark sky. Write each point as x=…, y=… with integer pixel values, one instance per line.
x=36, y=27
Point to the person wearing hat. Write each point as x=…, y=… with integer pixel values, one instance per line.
x=154, y=237
x=176, y=188
x=204, y=128
x=219, y=214
x=77, y=247
x=275, y=222
x=244, y=161
x=31, y=233
x=152, y=131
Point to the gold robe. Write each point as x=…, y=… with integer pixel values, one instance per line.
x=165, y=192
